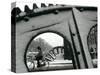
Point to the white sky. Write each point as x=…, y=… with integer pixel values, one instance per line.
x=52, y=39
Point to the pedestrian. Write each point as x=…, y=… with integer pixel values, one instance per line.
x=39, y=56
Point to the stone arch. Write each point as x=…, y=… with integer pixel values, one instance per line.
x=92, y=44
x=66, y=41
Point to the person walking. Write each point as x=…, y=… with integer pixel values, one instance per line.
x=39, y=57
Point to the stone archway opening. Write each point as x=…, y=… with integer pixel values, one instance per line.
x=54, y=51
x=92, y=44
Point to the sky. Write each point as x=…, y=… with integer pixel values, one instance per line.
x=52, y=39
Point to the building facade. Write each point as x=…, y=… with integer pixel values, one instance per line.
x=77, y=25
